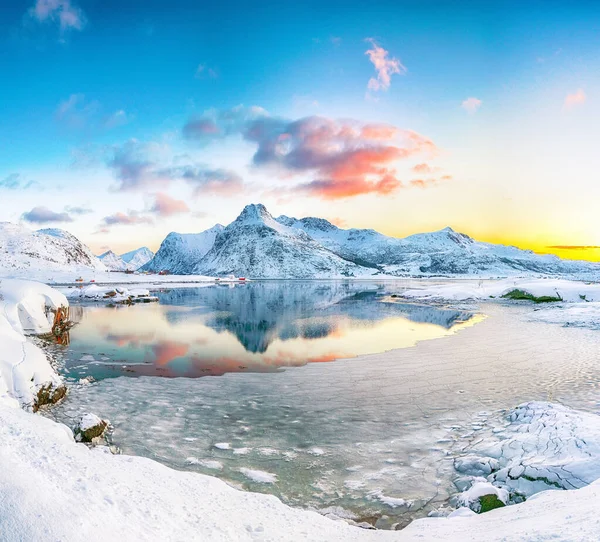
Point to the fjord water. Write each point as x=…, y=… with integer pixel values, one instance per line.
x=372, y=437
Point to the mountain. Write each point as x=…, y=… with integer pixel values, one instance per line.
x=113, y=261
x=443, y=252
x=257, y=245
x=179, y=253
x=30, y=254
x=137, y=258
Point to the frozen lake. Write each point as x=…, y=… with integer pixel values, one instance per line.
x=371, y=436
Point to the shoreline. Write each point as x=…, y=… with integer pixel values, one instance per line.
x=238, y=515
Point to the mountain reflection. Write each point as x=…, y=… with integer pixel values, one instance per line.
x=257, y=327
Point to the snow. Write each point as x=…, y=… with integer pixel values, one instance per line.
x=545, y=446
x=570, y=291
x=41, y=254
x=137, y=258
x=179, y=252
x=223, y=445
x=470, y=497
x=24, y=368
x=110, y=294
x=46, y=475
x=585, y=315
x=87, y=421
x=113, y=262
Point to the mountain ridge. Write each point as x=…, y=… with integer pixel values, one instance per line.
x=314, y=247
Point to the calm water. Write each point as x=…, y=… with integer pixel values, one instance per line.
x=255, y=327
x=372, y=437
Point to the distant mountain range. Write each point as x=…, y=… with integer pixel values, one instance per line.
x=130, y=261
x=258, y=245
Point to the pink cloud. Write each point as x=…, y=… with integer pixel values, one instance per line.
x=575, y=99
x=471, y=105
x=384, y=66
x=131, y=218
x=165, y=205
x=345, y=158
x=67, y=15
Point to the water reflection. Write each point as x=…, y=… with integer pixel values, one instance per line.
x=257, y=327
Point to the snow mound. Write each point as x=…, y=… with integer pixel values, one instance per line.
x=25, y=307
x=544, y=446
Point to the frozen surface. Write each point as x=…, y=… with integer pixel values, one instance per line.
x=374, y=436
x=537, y=446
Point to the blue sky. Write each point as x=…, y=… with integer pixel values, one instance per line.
x=515, y=164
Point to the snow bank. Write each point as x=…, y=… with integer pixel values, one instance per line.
x=567, y=290
x=110, y=294
x=55, y=489
x=24, y=369
x=544, y=446
x=575, y=315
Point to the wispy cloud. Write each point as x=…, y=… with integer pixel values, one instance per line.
x=16, y=181
x=203, y=71
x=74, y=210
x=118, y=118
x=140, y=166
x=134, y=166
x=575, y=99
x=345, y=157
x=471, y=105
x=130, y=218
x=43, y=215
x=79, y=113
x=164, y=205
x=385, y=66
x=61, y=12
x=575, y=247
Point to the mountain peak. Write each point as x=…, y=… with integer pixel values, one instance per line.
x=448, y=229
x=255, y=212
x=108, y=253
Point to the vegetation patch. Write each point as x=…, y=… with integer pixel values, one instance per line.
x=520, y=295
x=489, y=502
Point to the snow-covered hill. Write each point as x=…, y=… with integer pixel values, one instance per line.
x=179, y=253
x=257, y=245
x=137, y=258
x=27, y=253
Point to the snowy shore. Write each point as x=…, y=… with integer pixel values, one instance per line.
x=55, y=488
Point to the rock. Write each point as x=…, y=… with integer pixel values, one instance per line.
x=89, y=428
x=49, y=394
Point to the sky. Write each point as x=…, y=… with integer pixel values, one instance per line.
x=125, y=120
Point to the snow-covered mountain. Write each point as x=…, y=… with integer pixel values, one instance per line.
x=113, y=261
x=257, y=245
x=137, y=258
x=130, y=261
x=27, y=253
x=179, y=253
x=443, y=252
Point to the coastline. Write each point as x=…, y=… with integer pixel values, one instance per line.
x=137, y=498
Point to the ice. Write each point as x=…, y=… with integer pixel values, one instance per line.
x=259, y=476
x=223, y=445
